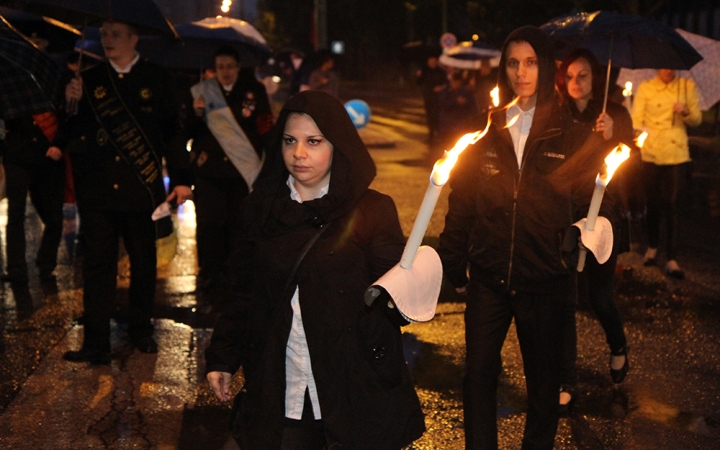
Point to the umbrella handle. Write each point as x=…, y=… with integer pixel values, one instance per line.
x=607, y=77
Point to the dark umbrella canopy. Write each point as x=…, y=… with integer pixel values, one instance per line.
x=30, y=81
x=199, y=44
x=628, y=40
x=142, y=14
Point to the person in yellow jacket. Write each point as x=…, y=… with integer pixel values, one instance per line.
x=664, y=106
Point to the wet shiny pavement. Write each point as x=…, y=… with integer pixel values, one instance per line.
x=670, y=400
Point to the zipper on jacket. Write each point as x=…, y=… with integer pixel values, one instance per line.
x=552, y=132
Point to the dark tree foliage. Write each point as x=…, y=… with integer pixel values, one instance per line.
x=375, y=30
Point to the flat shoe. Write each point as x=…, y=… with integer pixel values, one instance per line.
x=619, y=375
x=649, y=262
x=564, y=408
x=84, y=355
x=677, y=274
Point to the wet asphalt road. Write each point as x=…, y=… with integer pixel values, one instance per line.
x=670, y=400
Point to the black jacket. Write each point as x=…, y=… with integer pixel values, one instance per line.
x=507, y=222
x=103, y=180
x=249, y=103
x=26, y=145
x=366, y=396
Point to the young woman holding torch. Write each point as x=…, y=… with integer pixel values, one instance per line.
x=508, y=213
x=321, y=369
x=580, y=83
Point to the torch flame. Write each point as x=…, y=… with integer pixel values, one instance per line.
x=495, y=94
x=616, y=157
x=441, y=170
x=641, y=139
x=512, y=121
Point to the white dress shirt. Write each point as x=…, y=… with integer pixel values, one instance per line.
x=520, y=129
x=298, y=370
x=127, y=68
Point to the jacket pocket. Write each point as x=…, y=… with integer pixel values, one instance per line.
x=381, y=347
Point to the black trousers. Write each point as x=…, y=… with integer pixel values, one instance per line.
x=45, y=183
x=102, y=230
x=217, y=206
x=662, y=186
x=539, y=321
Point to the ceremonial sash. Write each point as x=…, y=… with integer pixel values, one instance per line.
x=232, y=139
x=120, y=128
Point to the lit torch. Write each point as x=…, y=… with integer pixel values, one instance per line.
x=627, y=93
x=495, y=95
x=612, y=162
x=439, y=176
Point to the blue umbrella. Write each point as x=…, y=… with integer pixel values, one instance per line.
x=201, y=39
x=624, y=40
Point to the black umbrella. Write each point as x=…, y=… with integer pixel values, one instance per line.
x=59, y=36
x=201, y=39
x=624, y=40
x=30, y=81
x=142, y=14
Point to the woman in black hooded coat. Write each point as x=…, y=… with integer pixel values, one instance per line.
x=322, y=253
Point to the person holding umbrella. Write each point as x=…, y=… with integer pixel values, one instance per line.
x=502, y=244
x=127, y=121
x=231, y=116
x=665, y=106
x=580, y=82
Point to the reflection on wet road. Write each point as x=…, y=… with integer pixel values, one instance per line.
x=670, y=400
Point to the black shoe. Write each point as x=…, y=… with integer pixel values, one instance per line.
x=564, y=408
x=145, y=344
x=677, y=274
x=649, y=262
x=619, y=375
x=84, y=355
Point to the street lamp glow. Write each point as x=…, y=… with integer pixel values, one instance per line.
x=224, y=8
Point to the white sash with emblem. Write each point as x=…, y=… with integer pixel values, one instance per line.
x=228, y=132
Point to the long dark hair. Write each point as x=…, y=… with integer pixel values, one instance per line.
x=598, y=86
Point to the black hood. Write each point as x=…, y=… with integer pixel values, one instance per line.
x=352, y=168
x=542, y=45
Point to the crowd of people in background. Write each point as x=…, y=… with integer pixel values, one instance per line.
x=264, y=198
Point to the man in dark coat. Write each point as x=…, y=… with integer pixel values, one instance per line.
x=431, y=78
x=233, y=123
x=508, y=214
x=317, y=256
x=126, y=122
x=33, y=160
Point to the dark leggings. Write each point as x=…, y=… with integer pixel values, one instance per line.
x=596, y=284
x=662, y=184
x=304, y=434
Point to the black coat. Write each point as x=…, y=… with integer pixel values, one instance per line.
x=509, y=223
x=103, y=180
x=249, y=103
x=366, y=396
x=26, y=145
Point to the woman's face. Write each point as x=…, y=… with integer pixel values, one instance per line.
x=522, y=69
x=306, y=152
x=578, y=79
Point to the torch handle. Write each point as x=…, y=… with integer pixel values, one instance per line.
x=581, y=260
x=421, y=223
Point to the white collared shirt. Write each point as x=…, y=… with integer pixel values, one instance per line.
x=127, y=68
x=298, y=370
x=520, y=129
x=228, y=87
